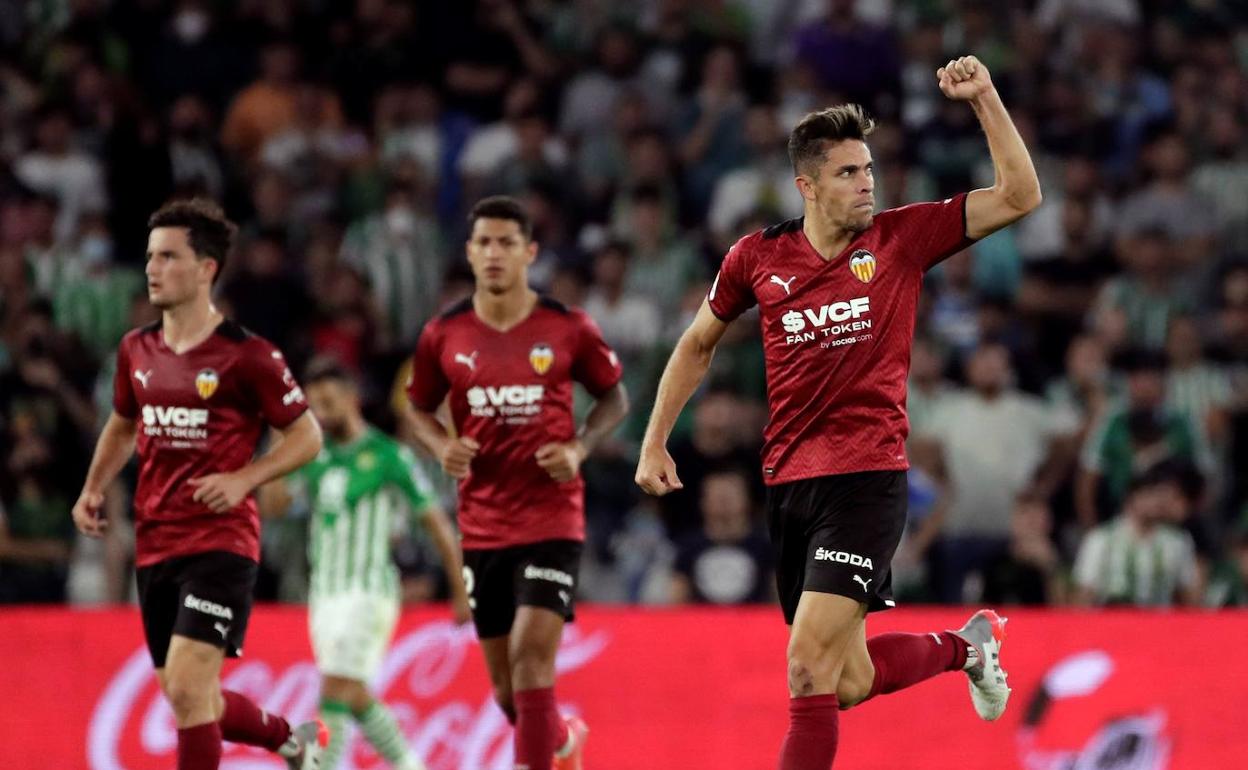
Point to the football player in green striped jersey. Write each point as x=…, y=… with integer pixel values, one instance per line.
x=356, y=490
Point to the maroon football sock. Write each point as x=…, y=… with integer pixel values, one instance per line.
x=811, y=741
x=199, y=747
x=245, y=722
x=539, y=730
x=902, y=660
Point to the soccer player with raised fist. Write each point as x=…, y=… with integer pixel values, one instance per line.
x=837, y=291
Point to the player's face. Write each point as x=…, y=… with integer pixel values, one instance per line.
x=500, y=255
x=842, y=191
x=175, y=275
x=332, y=404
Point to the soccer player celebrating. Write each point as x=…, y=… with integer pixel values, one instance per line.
x=508, y=358
x=837, y=290
x=354, y=488
x=194, y=391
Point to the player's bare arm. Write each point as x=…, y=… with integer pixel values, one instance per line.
x=455, y=453
x=656, y=471
x=300, y=442
x=112, y=452
x=439, y=526
x=1016, y=188
x=562, y=460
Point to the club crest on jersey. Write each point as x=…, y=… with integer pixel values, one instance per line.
x=862, y=265
x=541, y=357
x=206, y=383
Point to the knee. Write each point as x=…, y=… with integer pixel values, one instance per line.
x=805, y=663
x=349, y=692
x=186, y=698
x=532, y=666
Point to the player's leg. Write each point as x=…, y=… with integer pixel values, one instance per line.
x=213, y=609
x=350, y=634
x=540, y=731
x=489, y=578
x=497, y=654
x=191, y=679
x=190, y=686
x=825, y=625
x=545, y=589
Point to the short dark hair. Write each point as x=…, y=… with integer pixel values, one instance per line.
x=210, y=233
x=325, y=369
x=810, y=136
x=502, y=207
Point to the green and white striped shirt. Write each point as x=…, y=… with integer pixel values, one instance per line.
x=1121, y=565
x=355, y=492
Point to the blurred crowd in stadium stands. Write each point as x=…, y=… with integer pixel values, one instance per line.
x=1079, y=382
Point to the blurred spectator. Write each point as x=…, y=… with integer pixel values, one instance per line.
x=1029, y=570
x=36, y=537
x=709, y=125
x=714, y=442
x=400, y=251
x=490, y=147
x=856, y=60
x=194, y=158
x=1169, y=205
x=990, y=445
x=1057, y=290
x=629, y=321
x=664, y=260
x=1196, y=388
x=261, y=292
x=590, y=96
x=1221, y=178
x=729, y=560
x=763, y=182
x=927, y=387
x=1133, y=437
x=91, y=298
x=1228, y=585
x=270, y=105
x=56, y=167
x=1138, y=558
x=1135, y=308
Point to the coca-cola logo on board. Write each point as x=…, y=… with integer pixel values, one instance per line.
x=132, y=727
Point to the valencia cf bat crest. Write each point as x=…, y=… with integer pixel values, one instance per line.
x=541, y=357
x=862, y=265
x=206, y=383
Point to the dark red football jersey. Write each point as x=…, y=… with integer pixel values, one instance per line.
x=837, y=334
x=199, y=412
x=512, y=392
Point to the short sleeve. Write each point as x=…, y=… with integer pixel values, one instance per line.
x=124, y=402
x=411, y=481
x=596, y=366
x=280, y=399
x=732, y=293
x=930, y=233
x=427, y=384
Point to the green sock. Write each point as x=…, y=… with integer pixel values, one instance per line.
x=382, y=731
x=337, y=717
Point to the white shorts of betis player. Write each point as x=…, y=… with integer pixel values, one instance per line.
x=350, y=633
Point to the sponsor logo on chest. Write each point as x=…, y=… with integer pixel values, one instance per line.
x=505, y=400
x=181, y=423
x=829, y=323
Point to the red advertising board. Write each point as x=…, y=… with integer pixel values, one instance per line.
x=687, y=689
